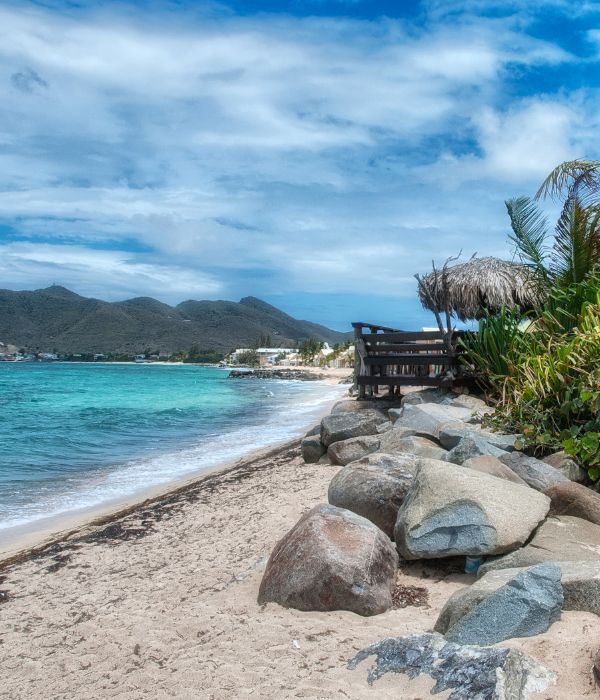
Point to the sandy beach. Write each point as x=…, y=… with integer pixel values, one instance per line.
x=161, y=602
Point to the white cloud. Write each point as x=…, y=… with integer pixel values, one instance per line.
x=258, y=154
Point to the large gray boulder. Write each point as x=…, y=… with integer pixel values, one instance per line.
x=350, y=450
x=560, y=538
x=420, y=446
x=332, y=559
x=537, y=474
x=426, y=419
x=574, y=499
x=524, y=606
x=343, y=426
x=566, y=465
x=469, y=672
x=375, y=487
x=580, y=582
x=392, y=440
x=453, y=432
x=312, y=449
x=494, y=467
x=478, y=406
x=470, y=447
x=450, y=510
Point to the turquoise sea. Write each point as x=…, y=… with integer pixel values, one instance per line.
x=75, y=436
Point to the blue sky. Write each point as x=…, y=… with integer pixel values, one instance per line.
x=315, y=154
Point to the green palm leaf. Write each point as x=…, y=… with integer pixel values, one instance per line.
x=530, y=230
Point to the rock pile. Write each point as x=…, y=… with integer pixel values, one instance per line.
x=424, y=480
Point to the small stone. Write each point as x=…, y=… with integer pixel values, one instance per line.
x=312, y=449
x=566, y=465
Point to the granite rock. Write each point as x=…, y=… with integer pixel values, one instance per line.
x=374, y=487
x=537, y=474
x=494, y=467
x=559, y=538
x=526, y=605
x=574, y=499
x=343, y=426
x=345, y=451
x=470, y=447
x=453, y=511
x=332, y=559
x=580, y=581
x=469, y=673
x=566, y=465
x=312, y=449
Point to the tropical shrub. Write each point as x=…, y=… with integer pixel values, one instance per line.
x=552, y=392
x=490, y=351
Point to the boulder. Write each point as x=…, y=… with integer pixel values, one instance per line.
x=452, y=433
x=374, y=487
x=384, y=427
x=478, y=406
x=420, y=446
x=580, y=582
x=312, y=449
x=332, y=559
x=537, y=474
x=353, y=405
x=426, y=396
x=469, y=672
x=566, y=465
x=524, y=606
x=315, y=430
x=470, y=447
x=559, y=538
x=574, y=499
x=426, y=419
x=350, y=450
x=452, y=511
x=391, y=440
x=342, y=426
x=487, y=464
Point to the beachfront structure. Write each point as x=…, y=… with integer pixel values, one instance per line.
x=266, y=356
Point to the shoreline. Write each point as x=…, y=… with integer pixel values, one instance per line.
x=22, y=541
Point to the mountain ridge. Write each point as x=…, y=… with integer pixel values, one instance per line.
x=56, y=318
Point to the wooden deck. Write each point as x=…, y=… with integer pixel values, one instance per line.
x=394, y=358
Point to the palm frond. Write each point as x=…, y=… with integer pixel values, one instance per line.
x=530, y=230
x=570, y=178
x=576, y=250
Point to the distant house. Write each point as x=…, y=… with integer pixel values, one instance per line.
x=266, y=356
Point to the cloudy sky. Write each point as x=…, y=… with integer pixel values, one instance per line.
x=313, y=153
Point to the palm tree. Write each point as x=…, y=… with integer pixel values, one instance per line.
x=575, y=251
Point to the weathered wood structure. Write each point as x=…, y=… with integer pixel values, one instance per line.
x=394, y=358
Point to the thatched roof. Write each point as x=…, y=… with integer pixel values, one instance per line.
x=479, y=284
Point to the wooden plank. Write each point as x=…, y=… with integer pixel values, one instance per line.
x=373, y=346
x=404, y=336
x=407, y=359
x=360, y=324
x=406, y=380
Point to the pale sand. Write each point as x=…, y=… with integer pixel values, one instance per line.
x=172, y=611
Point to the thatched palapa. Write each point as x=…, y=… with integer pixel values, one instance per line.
x=481, y=284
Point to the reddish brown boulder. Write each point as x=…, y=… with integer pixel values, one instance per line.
x=574, y=499
x=332, y=559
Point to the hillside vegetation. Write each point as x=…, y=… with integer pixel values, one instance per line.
x=57, y=319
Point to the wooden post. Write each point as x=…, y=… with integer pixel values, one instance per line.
x=360, y=389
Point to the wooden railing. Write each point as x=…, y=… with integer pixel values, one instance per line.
x=390, y=357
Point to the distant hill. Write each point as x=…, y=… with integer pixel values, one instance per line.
x=56, y=318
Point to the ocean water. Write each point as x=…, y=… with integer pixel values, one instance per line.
x=75, y=436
